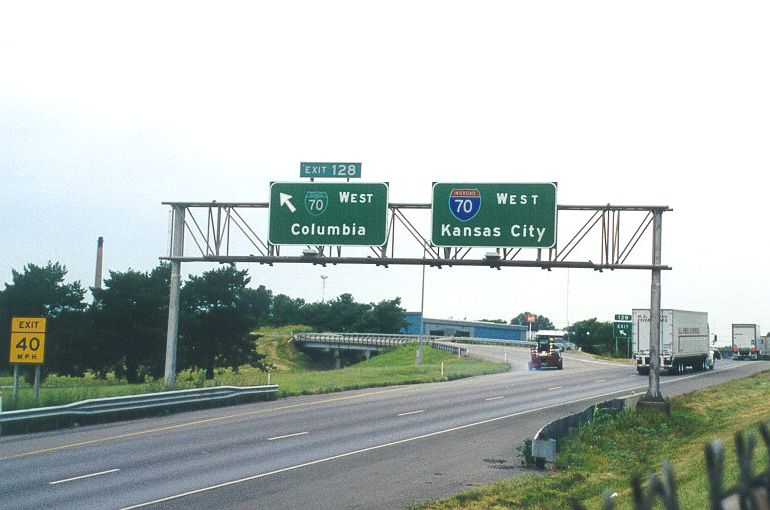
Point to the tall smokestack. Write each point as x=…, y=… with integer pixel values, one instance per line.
x=99, y=253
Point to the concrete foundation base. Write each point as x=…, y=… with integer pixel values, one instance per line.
x=657, y=406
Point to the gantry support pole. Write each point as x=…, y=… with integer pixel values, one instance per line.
x=172, y=332
x=653, y=397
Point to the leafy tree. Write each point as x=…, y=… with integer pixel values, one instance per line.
x=386, y=317
x=72, y=344
x=592, y=335
x=131, y=314
x=259, y=302
x=318, y=315
x=541, y=322
x=286, y=310
x=40, y=291
x=217, y=321
x=346, y=315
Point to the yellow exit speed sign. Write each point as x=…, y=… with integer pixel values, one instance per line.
x=28, y=339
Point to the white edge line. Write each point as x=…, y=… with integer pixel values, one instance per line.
x=493, y=398
x=84, y=476
x=412, y=412
x=555, y=388
x=370, y=449
x=394, y=443
x=287, y=436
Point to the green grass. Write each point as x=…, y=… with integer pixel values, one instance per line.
x=274, y=342
x=393, y=367
x=604, y=455
x=295, y=372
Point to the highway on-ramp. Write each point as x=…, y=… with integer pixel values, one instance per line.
x=374, y=448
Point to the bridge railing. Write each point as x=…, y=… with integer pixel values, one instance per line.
x=495, y=341
x=380, y=340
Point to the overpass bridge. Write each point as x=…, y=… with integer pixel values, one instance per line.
x=374, y=342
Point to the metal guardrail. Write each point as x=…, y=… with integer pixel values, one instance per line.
x=494, y=341
x=545, y=443
x=126, y=403
x=454, y=349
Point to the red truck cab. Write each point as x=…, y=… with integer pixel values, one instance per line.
x=545, y=355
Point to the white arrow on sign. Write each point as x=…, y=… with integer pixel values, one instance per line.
x=286, y=200
x=622, y=333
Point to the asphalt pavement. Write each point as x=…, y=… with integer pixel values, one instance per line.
x=374, y=448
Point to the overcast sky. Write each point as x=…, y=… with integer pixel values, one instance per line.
x=107, y=109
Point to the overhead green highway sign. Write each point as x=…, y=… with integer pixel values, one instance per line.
x=504, y=215
x=330, y=170
x=622, y=317
x=339, y=214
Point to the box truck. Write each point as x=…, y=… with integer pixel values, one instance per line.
x=764, y=347
x=746, y=341
x=684, y=340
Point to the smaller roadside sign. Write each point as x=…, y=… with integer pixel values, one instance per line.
x=621, y=330
x=28, y=340
x=342, y=170
x=622, y=318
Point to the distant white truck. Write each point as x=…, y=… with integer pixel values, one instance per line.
x=746, y=344
x=764, y=347
x=684, y=340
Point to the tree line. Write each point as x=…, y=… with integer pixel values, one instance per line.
x=123, y=331
x=591, y=335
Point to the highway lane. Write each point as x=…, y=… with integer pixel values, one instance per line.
x=377, y=448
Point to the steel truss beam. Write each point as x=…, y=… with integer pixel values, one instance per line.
x=214, y=227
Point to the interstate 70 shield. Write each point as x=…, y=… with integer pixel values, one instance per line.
x=464, y=203
x=316, y=202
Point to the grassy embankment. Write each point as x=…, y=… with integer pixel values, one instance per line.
x=604, y=455
x=295, y=373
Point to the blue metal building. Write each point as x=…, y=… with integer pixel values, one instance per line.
x=475, y=329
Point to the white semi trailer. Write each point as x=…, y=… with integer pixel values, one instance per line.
x=746, y=341
x=684, y=340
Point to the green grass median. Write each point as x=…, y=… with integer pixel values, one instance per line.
x=604, y=455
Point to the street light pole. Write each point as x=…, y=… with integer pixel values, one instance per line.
x=422, y=312
x=323, y=287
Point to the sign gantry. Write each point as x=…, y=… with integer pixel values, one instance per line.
x=227, y=232
x=518, y=222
